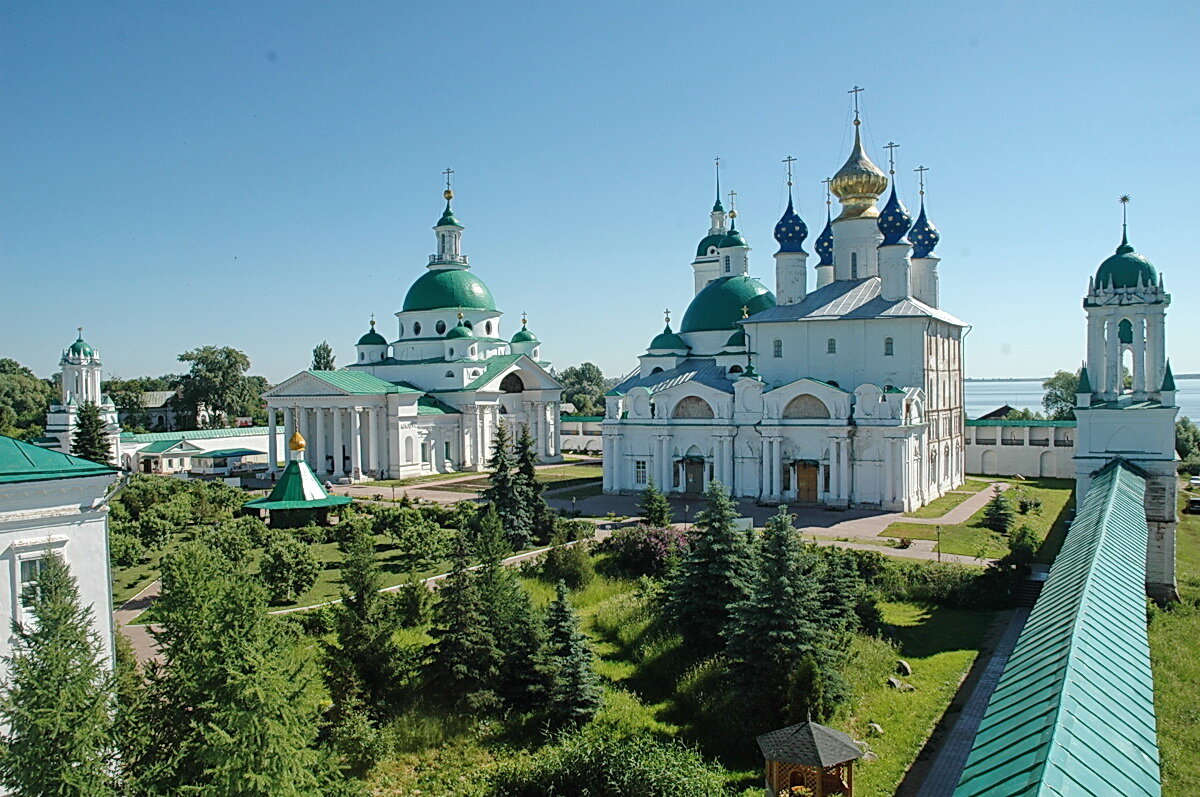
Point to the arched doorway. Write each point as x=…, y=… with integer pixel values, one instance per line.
x=693, y=471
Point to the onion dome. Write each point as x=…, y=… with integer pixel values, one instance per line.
x=81, y=348
x=859, y=183
x=372, y=338
x=447, y=219
x=297, y=443
x=790, y=230
x=447, y=289
x=719, y=305
x=824, y=244
x=524, y=335
x=1125, y=268
x=460, y=331
x=667, y=340
x=924, y=235
x=894, y=221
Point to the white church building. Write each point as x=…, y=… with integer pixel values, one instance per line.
x=430, y=401
x=840, y=388
x=81, y=366
x=1126, y=307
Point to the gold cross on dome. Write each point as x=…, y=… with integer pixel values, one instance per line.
x=667, y=313
x=856, y=91
x=827, y=181
x=789, y=160
x=447, y=173
x=745, y=311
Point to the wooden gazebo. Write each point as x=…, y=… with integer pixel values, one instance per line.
x=809, y=755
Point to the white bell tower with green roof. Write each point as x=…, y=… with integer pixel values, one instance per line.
x=81, y=369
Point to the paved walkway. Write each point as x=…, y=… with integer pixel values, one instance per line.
x=951, y=758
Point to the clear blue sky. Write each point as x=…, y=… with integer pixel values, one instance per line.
x=265, y=174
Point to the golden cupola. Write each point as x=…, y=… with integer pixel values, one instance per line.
x=859, y=183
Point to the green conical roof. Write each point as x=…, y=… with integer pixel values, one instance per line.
x=447, y=219
x=298, y=488
x=1169, y=378
x=1085, y=384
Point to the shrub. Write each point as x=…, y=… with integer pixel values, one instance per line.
x=1029, y=504
x=568, y=563
x=951, y=585
x=1023, y=545
x=313, y=534
x=231, y=540
x=288, y=567
x=634, y=766
x=644, y=550
x=574, y=529
x=999, y=515
x=125, y=550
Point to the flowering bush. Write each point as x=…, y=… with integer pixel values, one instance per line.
x=644, y=550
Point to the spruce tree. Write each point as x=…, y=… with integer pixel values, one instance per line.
x=778, y=621
x=655, y=509
x=235, y=706
x=506, y=494
x=363, y=664
x=714, y=575
x=529, y=489
x=56, y=698
x=90, y=440
x=322, y=359
x=575, y=692
x=999, y=515
x=464, y=661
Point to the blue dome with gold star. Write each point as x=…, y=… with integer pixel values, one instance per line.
x=790, y=230
x=824, y=244
x=894, y=220
x=924, y=235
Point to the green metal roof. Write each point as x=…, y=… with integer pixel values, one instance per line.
x=449, y=289
x=709, y=241
x=581, y=418
x=719, y=304
x=26, y=462
x=428, y=405
x=298, y=488
x=359, y=383
x=1125, y=268
x=230, y=452
x=1073, y=712
x=448, y=219
x=372, y=338
x=197, y=434
x=495, y=366
x=460, y=331
x=1169, y=378
x=81, y=348
x=163, y=446
x=1008, y=422
x=524, y=336
x=668, y=340
x=1085, y=384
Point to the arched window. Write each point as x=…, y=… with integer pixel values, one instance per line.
x=806, y=405
x=1125, y=331
x=472, y=352
x=831, y=346
x=449, y=374
x=451, y=351
x=468, y=325
x=735, y=369
x=854, y=265
x=656, y=370
x=440, y=328
x=888, y=347
x=362, y=356
x=692, y=407
x=416, y=327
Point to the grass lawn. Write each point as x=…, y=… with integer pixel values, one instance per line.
x=562, y=476
x=129, y=581
x=429, y=477
x=1175, y=659
x=972, y=538
x=971, y=485
x=940, y=506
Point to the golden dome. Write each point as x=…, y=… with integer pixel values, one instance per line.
x=297, y=442
x=858, y=183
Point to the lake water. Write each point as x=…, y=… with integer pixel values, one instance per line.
x=983, y=397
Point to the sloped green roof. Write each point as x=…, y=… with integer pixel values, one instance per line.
x=196, y=434
x=163, y=446
x=230, y=452
x=1016, y=422
x=359, y=383
x=298, y=488
x=495, y=366
x=26, y=462
x=1073, y=712
x=428, y=405
x=1169, y=378
x=708, y=241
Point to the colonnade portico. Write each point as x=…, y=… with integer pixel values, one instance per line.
x=353, y=436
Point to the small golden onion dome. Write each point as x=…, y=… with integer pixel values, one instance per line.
x=297, y=442
x=448, y=194
x=858, y=183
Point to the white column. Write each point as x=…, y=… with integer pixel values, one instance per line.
x=889, y=487
x=1155, y=352
x=289, y=429
x=844, y=467
x=356, y=442
x=835, y=487
x=374, y=441
x=764, y=475
x=1112, y=357
x=339, y=466
x=272, y=443
x=1139, y=356
x=1095, y=352
x=776, y=467
x=322, y=447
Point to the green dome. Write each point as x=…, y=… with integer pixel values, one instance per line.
x=525, y=336
x=1123, y=269
x=81, y=348
x=708, y=241
x=667, y=340
x=447, y=219
x=734, y=238
x=737, y=339
x=372, y=338
x=447, y=289
x=719, y=305
x=460, y=331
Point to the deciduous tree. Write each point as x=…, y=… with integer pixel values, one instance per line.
x=288, y=567
x=322, y=359
x=216, y=381
x=1059, y=401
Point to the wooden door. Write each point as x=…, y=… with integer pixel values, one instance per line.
x=806, y=482
x=693, y=471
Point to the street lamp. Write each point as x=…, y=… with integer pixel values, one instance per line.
x=939, y=542
x=685, y=517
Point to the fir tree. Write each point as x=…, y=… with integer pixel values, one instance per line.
x=999, y=515
x=55, y=701
x=655, y=509
x=234, y=708
x=506, y=494
x=323, y=357
x=575, y=692
x=90, y=440
x=464, y=662
x=778, y=620
x=714, y=575
x=529, y=489
x=363, y=665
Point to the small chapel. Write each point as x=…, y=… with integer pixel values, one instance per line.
x=431, y=400
x=842, y=387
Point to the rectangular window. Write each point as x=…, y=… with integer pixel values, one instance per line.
x=446, y=450
x=30, y=570
x=639, y=472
